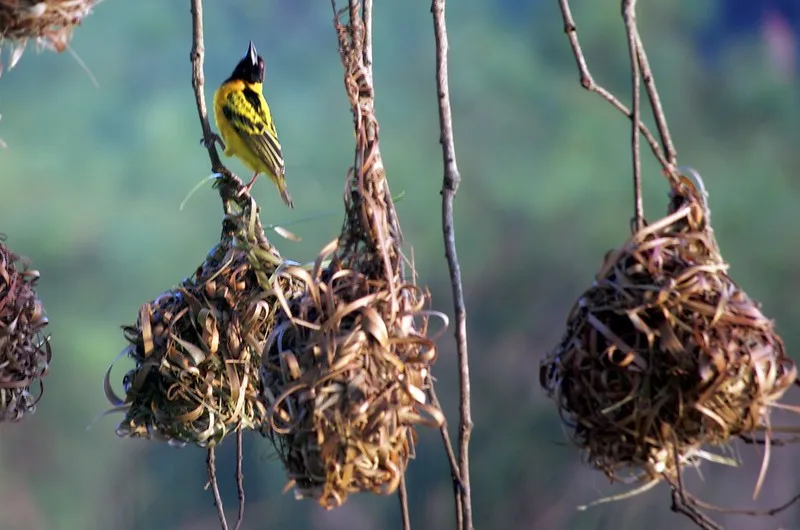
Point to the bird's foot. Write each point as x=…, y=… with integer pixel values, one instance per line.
x=212, y=139
x=247, y=187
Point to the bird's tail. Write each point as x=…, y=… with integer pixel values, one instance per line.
x=287, y=198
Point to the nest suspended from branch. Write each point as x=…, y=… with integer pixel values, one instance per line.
x=665, y=354
x=347, y=367
x=49, y=23
x=24, y=349
x=198, y=347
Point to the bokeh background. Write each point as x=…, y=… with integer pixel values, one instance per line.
x=92, y=179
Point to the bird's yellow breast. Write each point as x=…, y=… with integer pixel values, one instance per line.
x=234, y=144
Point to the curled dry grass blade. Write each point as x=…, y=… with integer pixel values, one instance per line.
x=665, y=355
x=347, y=367
x=24, y=349
x=198, y=347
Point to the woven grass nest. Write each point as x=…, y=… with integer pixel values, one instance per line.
x=345, y=378
x=198, y=347
x=49, y=23
x=665, y=354
x=24, y=349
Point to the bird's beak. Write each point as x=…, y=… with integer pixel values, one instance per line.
x=252, y=53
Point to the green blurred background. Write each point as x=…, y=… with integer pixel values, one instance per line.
x=92, y=179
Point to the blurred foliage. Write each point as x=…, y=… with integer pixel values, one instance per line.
x=92, y=179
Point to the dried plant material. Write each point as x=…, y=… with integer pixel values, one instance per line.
x=347, y=370
x=24, y=349
x=198, y=347
x=346, y=378
x=665, y=354
x=48, y=23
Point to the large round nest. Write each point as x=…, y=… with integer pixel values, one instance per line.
x=24, y=349
x=49, y=22
x=197, y=350
x=345, y=379
x=665, y=353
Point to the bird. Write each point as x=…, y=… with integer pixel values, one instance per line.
x=245, y=122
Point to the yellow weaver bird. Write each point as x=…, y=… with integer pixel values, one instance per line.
x=245, y=122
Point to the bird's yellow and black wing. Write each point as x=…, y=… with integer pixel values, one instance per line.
x=248, y=113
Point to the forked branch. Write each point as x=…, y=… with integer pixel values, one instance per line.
x=667, y=161
x=451, y=181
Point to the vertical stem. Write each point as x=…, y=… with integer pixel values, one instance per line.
x=211, y=462
x=230, y=187
x=198, y=79
x=629, y=16
x=451, y=181
x=402, y=495
x=655, y=103
x=451, y=457
x=239, y=477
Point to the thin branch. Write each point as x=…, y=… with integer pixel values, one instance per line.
x=230, y=187
x=239, y=477
x=198, y=80
x=455, y=474
x=402, y=495
x=451, y=181
x=655, y=104
x=683, y=503
x=587, y=82
x=629, y=16
x=211, y=462
x=753, y=513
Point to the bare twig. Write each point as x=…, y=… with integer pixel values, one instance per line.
x=402, y=495
x=587, y=82
x=681, y=505
x=211, y=462
x=753, y=513
x=455, y=474
x=239, y=477
x=629, y=16
x=451, y=181
x=684, y=503
x=230, y=186
x=655, y=104
x=198, y=80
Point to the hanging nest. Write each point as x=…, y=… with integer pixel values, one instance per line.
x=665, y=354
x=347, y=368
x=24, y=349
x=49, y=23
x=345, y=378
x=198, y=347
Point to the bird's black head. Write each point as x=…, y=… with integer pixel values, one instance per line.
x=251, y=68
